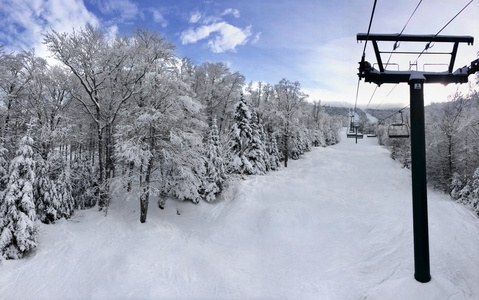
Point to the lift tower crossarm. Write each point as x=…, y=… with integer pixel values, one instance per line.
x=396, y=37
x=382, y=75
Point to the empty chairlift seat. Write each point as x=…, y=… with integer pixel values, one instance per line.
x=398, y=131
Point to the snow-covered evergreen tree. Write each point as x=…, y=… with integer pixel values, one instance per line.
x=474, y=197
x=239, y=139
x=274, y=155
x=18, y=234
x=456, y=186
x=52, y=191
x=3, y=169
x=214, y=165
x=83, y=184
x=255, y=149
x=465, y=194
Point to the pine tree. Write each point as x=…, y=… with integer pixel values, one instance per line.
x=256, y=151
x=214, y=165
x=17, y=209
x=239, y=138
x=456, y=186
x=474, y=197
x=465, y=194
x=3, y=169
x=274, y=155
x=52, y=191
x=83, y=184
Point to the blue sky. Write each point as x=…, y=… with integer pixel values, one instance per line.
x=310, y=41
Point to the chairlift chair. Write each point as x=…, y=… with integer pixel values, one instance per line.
x=354, y=133
x=351, y=134
x=398, y=130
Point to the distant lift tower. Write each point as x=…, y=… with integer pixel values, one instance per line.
x=416, y=80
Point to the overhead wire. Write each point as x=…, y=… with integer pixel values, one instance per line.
x=364, y=52
x=428, y=45
x=391, y=54
x=400, y=110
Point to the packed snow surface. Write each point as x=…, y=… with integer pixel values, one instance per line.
x=336, y=224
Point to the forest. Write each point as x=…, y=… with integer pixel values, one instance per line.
x=129, y=114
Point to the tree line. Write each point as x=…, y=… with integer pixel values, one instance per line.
x=129, y=112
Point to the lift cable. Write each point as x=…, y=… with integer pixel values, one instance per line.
x=364, y=52
x=372, y=96
x=399, y=111
x=396, y=45
x=428, y=45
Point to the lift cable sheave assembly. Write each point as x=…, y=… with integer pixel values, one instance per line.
x=416, y=81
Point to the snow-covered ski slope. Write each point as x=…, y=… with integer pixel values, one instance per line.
x=336, y=224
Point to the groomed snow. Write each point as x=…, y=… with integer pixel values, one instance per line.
x=336, y=224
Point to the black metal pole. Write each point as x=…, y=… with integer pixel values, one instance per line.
x=419, y=188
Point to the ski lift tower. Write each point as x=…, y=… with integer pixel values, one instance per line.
x=416, y=80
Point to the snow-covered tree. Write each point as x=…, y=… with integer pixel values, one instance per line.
x=239, y=139
x=83, y=184
x=456, y=186
x=217, y=89
x=474, y=197
x=3, y=169
x=274, y=155
x=288, y=101
x=108, y=74
x=14, y=77
x=465, y=194
x=214, y=165
x=18, y=233
x=160, y=136
x=255, y=149
x=52, y=192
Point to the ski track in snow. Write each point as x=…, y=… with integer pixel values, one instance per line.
x=336, y=224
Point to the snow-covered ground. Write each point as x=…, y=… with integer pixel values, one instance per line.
x=336, y=224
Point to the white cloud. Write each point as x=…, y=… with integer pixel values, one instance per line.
x=221, y=36
x=227, y=36
x=195, y=17
x=159, y=18
x=231, y=11
x=24, y=21
x=256, y=38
